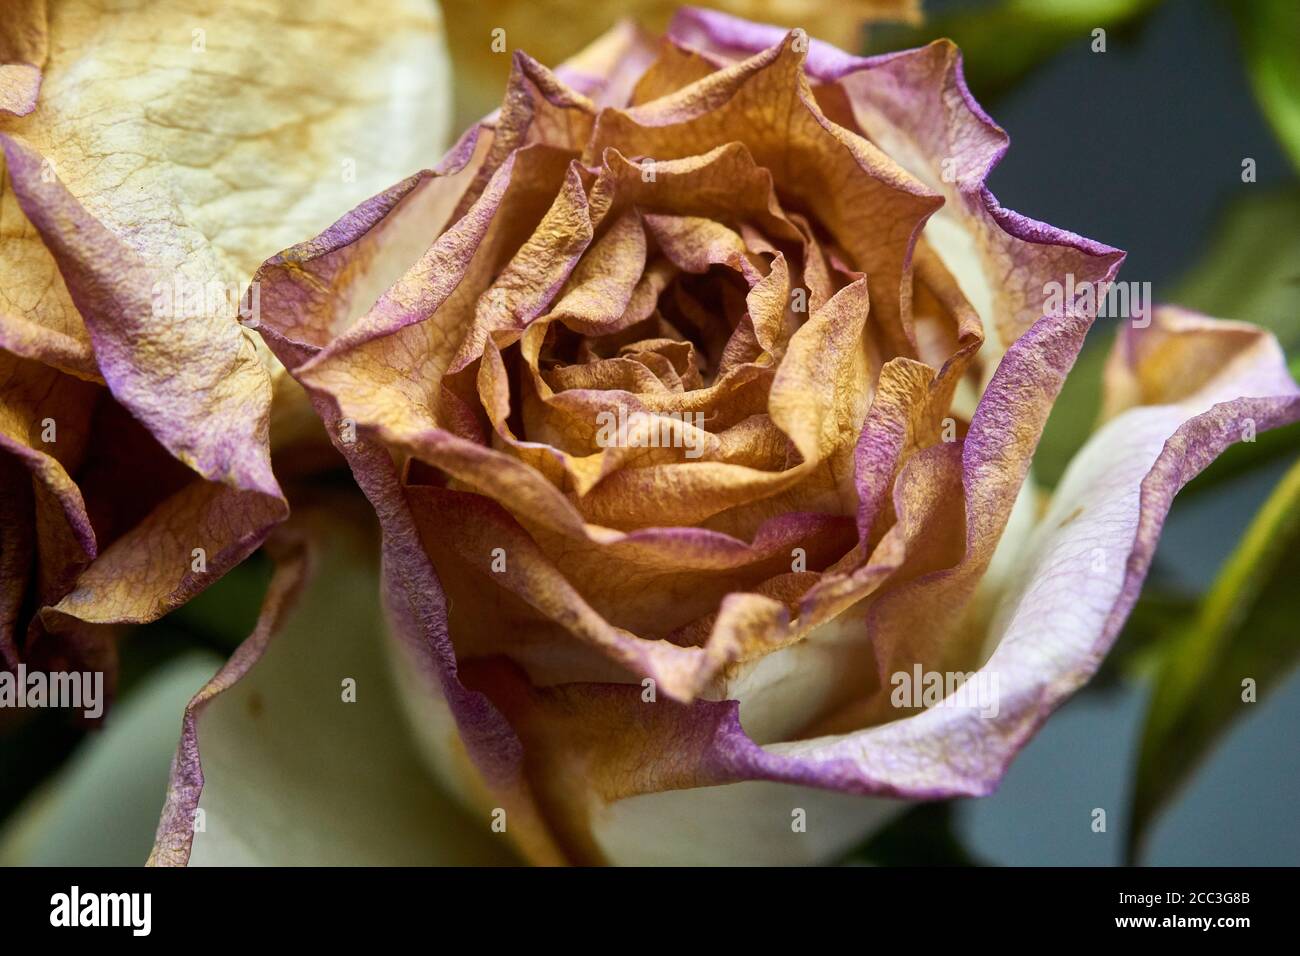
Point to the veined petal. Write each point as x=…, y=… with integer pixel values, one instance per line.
x=1076, y=579
x=195, y=382
x=161, y=166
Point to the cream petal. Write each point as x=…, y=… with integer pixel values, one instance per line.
x=295, y=753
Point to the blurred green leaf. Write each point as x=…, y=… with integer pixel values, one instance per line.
x=1002, y=41
x=1158, y=617
x=1270, y=35
x=1245, y=628
x=226, y=613
x=1251, y=272
x=922, y=836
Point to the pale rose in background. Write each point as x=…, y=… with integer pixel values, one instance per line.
x=152, y=158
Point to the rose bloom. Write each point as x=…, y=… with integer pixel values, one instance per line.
x=696, y=392
x=136, y=202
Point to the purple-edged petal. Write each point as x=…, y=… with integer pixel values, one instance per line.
x=616, y=49
x=194, y=381
x=164, y=163
x=916, y=107
x=1074, y=583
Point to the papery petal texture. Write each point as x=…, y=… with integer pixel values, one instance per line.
x=140, y=190
x=696, y=390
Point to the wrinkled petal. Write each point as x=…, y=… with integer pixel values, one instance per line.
x=136, y=202
x=796, y=245
x=482, y=67
x=196, y=384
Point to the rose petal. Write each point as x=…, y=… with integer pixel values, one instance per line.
x=288, y=769
x=45, y=512
x=187, y=165
x=23, y=45
x=197, y=385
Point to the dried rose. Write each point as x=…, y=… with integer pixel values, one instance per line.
x=151, y=159
x=696, y=393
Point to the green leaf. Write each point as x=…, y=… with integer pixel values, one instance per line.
x=1245, y=629
x=1251, y=272
x=225, y=613
x=1270, y=31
